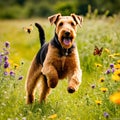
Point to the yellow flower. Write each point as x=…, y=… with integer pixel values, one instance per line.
x=104, y=89
x=115, y=98
x=116, y=75
x=111, y=56
x=118, y=61
x=16, y=65
x=98, y=102
x=53, y=116
x=117, y=66
x=107, y=50
x=98, y=65
x=116, y=54
x=102, y=79
x=10, y=61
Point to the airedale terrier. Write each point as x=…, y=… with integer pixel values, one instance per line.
x=57, y=59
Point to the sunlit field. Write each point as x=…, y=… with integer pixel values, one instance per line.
x=98, y=97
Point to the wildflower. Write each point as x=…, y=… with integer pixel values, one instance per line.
x=111, y=56
x=117, y=66
x=11, y=61
x=6, y=64
x=98, y=102
x=102, y=79
x=116, y=75
x=7, y=44
x=116, y=54
x=16, y=66
x=0, y=59
x=5, y=58
x=107, y=50
x=93, y=86
x=111, y=65
x=12, y=73
x=104, y=89
x=106, y=115
x=98, y=65
x=53, y=116
x=113, y=70
x=118, y=61
x=5, y=73
x=20, y=78
x=115, y=98
x=6, y=53
x=108, y=71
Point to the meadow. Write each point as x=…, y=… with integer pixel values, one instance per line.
x=98, y=97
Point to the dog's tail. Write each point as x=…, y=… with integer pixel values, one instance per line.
x=41, y=34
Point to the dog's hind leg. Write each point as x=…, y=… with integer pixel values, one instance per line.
x=44, y=89
x=32, y=79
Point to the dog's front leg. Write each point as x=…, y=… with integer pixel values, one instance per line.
x=51, y=74
x=74, y=81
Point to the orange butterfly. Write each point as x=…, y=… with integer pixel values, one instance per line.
x=28, y=29
x=97, y=51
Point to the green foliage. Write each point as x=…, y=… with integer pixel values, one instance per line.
x=89, y=102
x=34, y=8
x=66, y=8
x=11, y=12
x=40, y=9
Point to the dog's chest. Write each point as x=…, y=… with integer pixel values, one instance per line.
x=62, y=66
x=63, y=63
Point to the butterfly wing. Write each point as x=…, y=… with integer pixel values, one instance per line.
x=100, y=51
x=28, y=29
x=97, y=51
x=25, y=29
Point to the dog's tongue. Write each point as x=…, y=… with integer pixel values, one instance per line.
x=66, y=41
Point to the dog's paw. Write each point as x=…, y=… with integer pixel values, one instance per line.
x=52, y=83
x=71, y=89
x=30, y=99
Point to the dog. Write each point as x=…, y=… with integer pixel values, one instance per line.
x=57, y=59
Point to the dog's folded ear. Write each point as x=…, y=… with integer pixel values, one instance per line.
x=78, y=19
x=54, y=18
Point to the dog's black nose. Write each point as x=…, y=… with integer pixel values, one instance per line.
x=67, y=33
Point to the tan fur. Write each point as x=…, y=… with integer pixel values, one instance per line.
x=55, y=67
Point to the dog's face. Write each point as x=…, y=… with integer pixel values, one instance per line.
x=66, y=28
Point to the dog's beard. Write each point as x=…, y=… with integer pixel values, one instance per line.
x=66, y=40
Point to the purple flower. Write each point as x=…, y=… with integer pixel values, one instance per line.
x=106, y=115
x=5, y=58
x=12, y=73
x=20, y=78
x=6, y=64
x=113, y=70
x=6, y=53
x=111, y=65
x=5, y=73
x=7, y=44
x=108, y=71
x=0, y=59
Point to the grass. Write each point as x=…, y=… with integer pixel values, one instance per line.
x=91, y=102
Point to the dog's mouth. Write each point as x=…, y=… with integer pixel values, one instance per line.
x=67, y=40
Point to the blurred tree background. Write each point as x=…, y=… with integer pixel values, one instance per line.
x=14, y=9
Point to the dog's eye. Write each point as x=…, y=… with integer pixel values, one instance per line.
x=72, y=24
x=61, y=23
